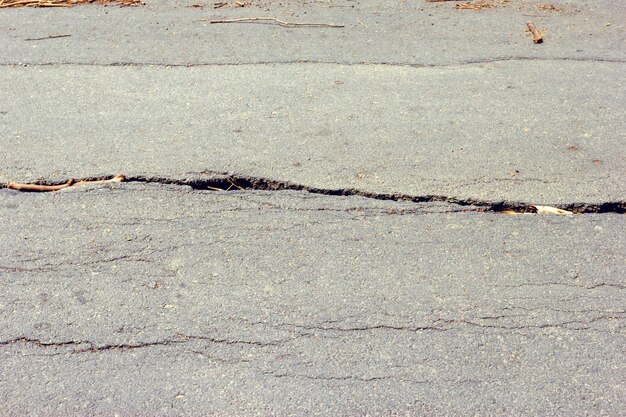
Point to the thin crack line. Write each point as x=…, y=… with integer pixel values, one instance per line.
x=318, y=62
x=88, y=346
x=566, y=325
x=564, y=284
x=356, y=378
x=85, y=346
x=413, y=329
x=444, y=325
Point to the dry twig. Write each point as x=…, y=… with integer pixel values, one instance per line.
x=214, y=188
x=62, y=3
x=47, y=37
x=43, y=188
x=234, y=184
x=537, y=38
x=273, y=19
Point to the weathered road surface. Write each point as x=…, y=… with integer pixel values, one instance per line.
x=424, y=100
x=387, y=284
x=155, y=300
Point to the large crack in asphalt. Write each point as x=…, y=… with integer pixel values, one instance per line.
x=225, y=182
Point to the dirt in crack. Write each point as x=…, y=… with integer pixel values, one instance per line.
x=220, y=182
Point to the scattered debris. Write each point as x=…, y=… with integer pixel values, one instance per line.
x=47, y=37
x=536, y=210
x=63, y=3
x=71, y=183
x=537, y=38
x=273, y=19
x=550, y=210
x=549, y=8
x=221, y=4
x=233, y=184
x=477, y=5
x=214, y=188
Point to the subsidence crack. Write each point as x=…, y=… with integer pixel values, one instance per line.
x=223, y=182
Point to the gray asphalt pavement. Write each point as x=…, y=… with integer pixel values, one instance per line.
x=485, y=131
x=169, y=32
x=160, y=300
x=360, y=294
x=495, y=118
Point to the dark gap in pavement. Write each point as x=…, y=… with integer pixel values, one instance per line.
x=240, y=182
x=222, y=182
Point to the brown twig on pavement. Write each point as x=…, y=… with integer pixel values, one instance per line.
x=62, y=3
x=44, y=188
x=19, y=3
x=47, y=37
x=273, y=19
x=537, y=38
x=36, y=187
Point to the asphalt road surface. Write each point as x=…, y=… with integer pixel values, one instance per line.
x=314, y=218
x=160, y=300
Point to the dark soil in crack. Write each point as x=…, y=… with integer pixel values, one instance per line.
x=221, y=182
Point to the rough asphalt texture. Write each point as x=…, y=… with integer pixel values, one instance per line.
x=150, y=299
x=159, y=300
x=424, y=100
